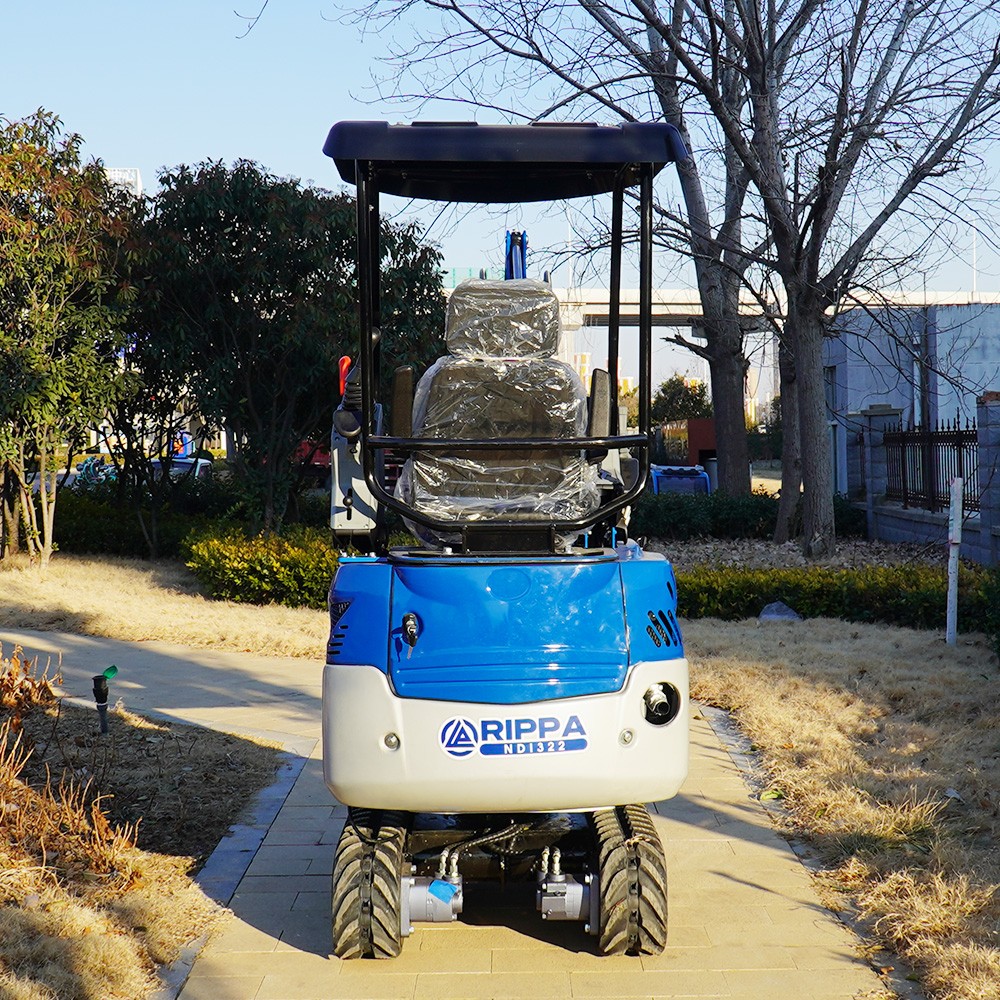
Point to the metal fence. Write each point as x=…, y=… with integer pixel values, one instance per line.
x=921, y=463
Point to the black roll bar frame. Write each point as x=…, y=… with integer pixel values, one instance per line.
x=369, y=258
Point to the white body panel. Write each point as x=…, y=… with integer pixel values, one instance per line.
x=498, y=772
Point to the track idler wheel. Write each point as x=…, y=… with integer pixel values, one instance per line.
x=632, y=875
x=366, y=885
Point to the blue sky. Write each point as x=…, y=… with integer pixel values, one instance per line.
x=151, y=85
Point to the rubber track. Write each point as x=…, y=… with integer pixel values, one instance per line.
x=366, y=881
x=633, y=880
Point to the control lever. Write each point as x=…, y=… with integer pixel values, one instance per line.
x=411, y=632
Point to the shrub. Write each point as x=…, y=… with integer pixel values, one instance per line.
x=682, y=516
x=88, y=524
x=990, y=607
x=753, y=515
x=310, y=508
x=850, y=521
x=293, y=568
x=678, y=516
x=912, y=596
x=216, y=497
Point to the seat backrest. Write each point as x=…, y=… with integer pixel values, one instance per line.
x=501, y=380
x=502, y=319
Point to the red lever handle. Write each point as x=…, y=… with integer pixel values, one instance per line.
x=345, y=367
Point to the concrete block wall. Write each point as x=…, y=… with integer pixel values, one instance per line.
x=988, y=434
x=889, y=522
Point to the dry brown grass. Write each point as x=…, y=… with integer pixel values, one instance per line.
x=884, y=743
x=180, y=785
x=85, y=912
x=139, y=601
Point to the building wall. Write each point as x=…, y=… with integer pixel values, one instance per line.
x=874, y=360
x=967, y=356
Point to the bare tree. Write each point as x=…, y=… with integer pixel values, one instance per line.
x=630, y=75
x=825, y=131
x=853, y=109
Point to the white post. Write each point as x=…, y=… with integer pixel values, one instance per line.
x=954, y=544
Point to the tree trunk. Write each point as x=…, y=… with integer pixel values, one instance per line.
x=728, y=372
x=26, y=503
x=270, y=520
x=805, y=316
x=10, y=529
x=719, y=290
x=791, y=453
x=47, y=500
x=149, y=526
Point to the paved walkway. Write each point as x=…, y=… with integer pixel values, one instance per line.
x=745, y=921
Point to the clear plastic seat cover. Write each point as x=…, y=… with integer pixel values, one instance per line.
x=500, y=380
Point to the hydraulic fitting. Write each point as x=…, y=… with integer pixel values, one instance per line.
x=661, y=704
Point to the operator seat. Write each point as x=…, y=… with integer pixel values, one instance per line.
x=500, y=379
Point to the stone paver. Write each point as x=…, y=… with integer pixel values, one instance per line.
x=745, y=922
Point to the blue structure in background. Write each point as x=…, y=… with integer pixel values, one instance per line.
x=679, y=479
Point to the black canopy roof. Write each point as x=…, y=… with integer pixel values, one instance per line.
x=465, y=161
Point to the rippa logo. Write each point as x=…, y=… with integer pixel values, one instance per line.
x=461, y=737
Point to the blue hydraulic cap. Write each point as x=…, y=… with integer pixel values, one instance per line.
x=515, y=264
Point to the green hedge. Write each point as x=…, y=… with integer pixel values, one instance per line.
x=293, y=568
x=989, y=593
x=98, y=521
x=296, y=568
x=683, y=516
x=84, y=524
x=913, y=596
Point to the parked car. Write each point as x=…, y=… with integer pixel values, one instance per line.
x=197, y=468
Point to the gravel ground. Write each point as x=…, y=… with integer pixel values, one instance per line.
x=851, y=553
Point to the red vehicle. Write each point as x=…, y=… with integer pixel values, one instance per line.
x=312, y=459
